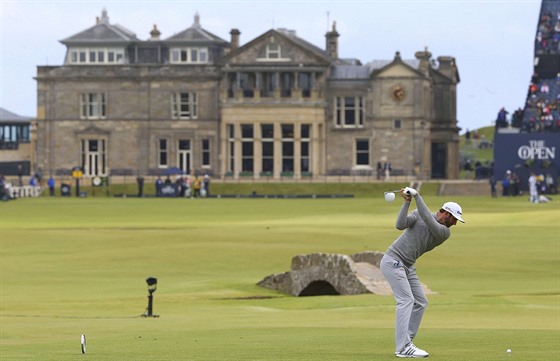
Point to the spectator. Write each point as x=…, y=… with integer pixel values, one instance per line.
x=468, y=168
x=475, y=136
x=51, y=183
x=388, y=168
x=550, y=186
x=196, y=186
x=514, y=185
x=3, y=190
x=140, y=182
x=180, y=188
x=501, y=120
x=483, y=142
x=188, y=190
x=379, y=169
x=159, y=183
x=505, y=184
x=533, y=194
x=493, y=191
x=206, y=184
x=39, y=176
x=20, y=174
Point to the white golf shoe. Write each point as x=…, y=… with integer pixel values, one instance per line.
x=412, y=351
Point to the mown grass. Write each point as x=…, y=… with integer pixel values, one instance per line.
x=78, y=266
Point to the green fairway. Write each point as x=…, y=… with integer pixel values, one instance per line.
x=78, y=266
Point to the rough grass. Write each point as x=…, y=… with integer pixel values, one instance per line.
x=78, y=266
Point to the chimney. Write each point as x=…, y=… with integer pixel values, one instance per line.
x=332, y=42
x=234, y=38
x=155, y=33
x=424, y=57
x=447, y=66
x=97, y=20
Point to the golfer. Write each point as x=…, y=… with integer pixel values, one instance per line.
x=423, y=232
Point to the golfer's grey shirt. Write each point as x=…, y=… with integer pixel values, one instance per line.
x=422, y=232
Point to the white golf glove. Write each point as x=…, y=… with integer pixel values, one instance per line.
x=410, y=191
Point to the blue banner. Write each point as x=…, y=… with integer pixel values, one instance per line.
x=526, y=152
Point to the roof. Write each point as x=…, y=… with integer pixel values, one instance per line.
x=102, y=32
x=364, y=71
x=304, y=43
x=287, y=34
x=195, y=33
x=9, y=117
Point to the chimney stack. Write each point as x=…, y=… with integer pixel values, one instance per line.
x=234, y=38
x=447, y=66
x=155, y=33
x=424, y=57
x=332, y=42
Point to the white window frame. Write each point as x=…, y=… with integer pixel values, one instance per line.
x=163, y=149
x=205, y=152
x=339, y=112
x=307, y=141
x=273, y=51
x=93, y=106
x=96, y=55
x=189, y=55
x=184, y=105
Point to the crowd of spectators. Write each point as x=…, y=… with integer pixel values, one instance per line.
x=548, y=32
x=541, y=111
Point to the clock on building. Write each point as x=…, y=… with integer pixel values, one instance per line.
x=398, y=93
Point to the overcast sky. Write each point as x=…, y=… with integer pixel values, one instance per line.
x=491, y=40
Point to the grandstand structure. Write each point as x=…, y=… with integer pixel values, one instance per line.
x=542, y=111
x=532, y=143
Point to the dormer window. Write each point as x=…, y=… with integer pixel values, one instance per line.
x=96, y=56
x=273, y=51
x=189, y=55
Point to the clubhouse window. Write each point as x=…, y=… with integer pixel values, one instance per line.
x=349, y=112
x=362, y=152
x=184, y=105
x=93, y=106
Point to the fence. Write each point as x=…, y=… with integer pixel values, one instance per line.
x=24, y=191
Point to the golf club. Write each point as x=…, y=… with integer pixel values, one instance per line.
x=398, y=190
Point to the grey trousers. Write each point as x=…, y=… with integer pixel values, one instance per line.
x=410, y=297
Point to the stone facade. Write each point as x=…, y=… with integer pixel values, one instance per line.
x=275, y=107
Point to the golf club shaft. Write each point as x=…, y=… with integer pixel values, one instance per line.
x=398, y=190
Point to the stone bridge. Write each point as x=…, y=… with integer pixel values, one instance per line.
x=332, y=274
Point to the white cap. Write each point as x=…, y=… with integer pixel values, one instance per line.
x=455, y=210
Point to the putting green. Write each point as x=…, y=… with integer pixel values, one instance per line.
x=78, y=266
